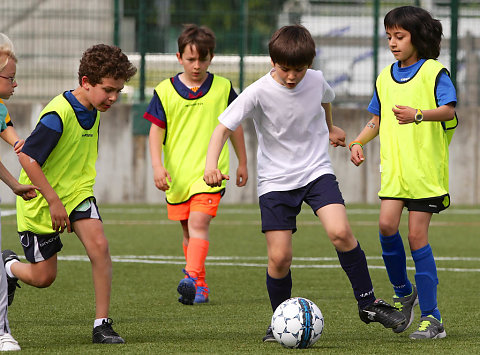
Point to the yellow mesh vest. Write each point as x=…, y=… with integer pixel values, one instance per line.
x=414, y=157
x=190, y=124
x=70, y=170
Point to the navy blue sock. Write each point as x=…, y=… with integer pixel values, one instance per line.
x=355, y=266
x=427, y=281
x=279, y=290
x=395, y=260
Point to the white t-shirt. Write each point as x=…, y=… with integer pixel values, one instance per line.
x=292, y=133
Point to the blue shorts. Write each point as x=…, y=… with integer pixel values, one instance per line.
x=279, y=209
x=40, y=247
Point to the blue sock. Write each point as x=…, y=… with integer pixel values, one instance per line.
x=393, y=254
x=355, y=266
x=427, y=281
x=279, y=290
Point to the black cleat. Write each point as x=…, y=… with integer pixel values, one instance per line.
x=104, y=334
x=380, y=311
x=269, y=336
x=187, y=288
x=8, y=255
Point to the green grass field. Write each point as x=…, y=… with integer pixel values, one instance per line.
x=147, y=254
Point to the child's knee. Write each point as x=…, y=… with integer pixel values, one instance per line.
x=280, y=261
x=387, y=228
x=341, y=237
x=43, y=280
x=101, y=245
x=199, y=224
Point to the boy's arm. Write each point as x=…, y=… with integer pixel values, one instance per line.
x=161, y=177
x=366, y=135
x=213, y=176
x=238, y=142
x=10, y=136
x=27, y=192
x=406, y=114
x=336, y=134
x=59, y=215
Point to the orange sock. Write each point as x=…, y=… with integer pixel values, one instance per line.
x=185, y=248
x=196, y=255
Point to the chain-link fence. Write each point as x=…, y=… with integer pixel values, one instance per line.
x=50, y=36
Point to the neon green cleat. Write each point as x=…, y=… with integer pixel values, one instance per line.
x=406, y=305
x=430, y=328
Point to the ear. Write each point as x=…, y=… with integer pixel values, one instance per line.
x=273, y=64
x=85, y=83
x=179, y=57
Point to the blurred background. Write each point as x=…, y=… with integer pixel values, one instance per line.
x=51, y=35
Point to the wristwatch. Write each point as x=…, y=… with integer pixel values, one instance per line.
x=418, y=116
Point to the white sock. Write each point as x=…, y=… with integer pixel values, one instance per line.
x=8, y=266
x=99, y=321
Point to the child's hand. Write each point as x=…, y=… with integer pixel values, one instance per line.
x=161, y=177
x=17, y=146
x=242, y=175
x=214, y=177
x=337, y=137
x=404, y=114
x=356, y=155
x=27, y=192
x=59, y=216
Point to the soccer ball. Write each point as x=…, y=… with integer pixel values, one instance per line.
x=297, y=323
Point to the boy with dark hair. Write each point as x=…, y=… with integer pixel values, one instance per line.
x=291, y=108
x=183, y=118
x=59, y=157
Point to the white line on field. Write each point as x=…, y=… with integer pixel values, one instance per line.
x=180, y=260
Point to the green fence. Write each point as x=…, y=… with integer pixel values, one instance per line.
x=50, y=36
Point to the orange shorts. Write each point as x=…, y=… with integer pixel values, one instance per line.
x=206, y=203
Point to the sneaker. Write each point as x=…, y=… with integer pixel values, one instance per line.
x=104, y=334
x=406, y=305
x=8, y=343
x=430, y=328
x=8, y=255
x=201, y=295
x=269, y=335
x=380, y=311
x=187, y=288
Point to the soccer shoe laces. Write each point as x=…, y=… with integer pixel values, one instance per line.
x=188, y=275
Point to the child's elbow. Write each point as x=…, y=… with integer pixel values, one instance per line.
x=451, y=112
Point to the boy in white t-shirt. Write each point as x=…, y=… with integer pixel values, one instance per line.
x=291, y=110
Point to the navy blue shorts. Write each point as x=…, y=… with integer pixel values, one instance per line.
x=40, y=247
x=279, y=209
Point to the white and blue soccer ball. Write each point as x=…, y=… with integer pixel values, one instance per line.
x=297, y=323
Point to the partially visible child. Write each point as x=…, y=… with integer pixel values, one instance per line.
x=7, y=87
x=291, y=109
x=8, y=64
x=59, y=157
x=413, y=109
x=184, y=112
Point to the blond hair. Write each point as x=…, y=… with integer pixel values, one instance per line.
x=7, y=51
